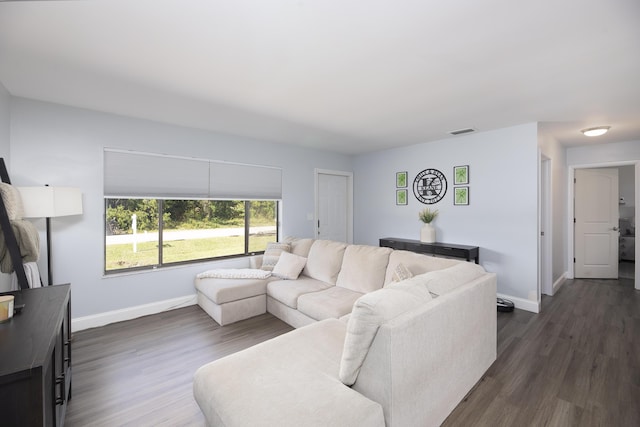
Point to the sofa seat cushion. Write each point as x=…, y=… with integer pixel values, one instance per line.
x=222, y=291
x=288, y=291
x=363, y=268
x=416, y=263
x=291, y=380
x=333, y=302
x=324, y=260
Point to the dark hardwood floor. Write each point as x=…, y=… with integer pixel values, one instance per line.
x=575, y=364
x=140, y=372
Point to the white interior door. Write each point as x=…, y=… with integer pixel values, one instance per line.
x=333, y=206
x=596, y=223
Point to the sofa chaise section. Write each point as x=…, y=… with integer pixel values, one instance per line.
x=289, y=381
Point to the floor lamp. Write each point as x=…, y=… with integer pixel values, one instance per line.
x=50, y=202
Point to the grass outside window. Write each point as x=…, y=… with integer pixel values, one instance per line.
x=191, y=230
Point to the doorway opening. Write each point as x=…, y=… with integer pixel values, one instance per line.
x=627, y=214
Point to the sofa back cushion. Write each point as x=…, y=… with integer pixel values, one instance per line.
x=416, y=263
x=324, y=260
x=363, y=268
x=369, y=312
x=440, y=282
x=299, y=246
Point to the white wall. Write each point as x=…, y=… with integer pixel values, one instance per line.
x=501, y=218
x=603, y=153
x=626, y=176
x=59, y=145
x=552, y=149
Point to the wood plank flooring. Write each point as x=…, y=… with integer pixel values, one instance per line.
x=140, y=372
x=575, y=364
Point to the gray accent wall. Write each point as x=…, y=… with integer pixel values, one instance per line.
x=59, y=145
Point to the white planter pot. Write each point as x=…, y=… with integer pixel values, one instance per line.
x=427, y=234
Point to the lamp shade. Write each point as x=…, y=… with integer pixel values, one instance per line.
x=50, y=202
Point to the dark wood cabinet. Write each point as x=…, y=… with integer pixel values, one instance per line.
x=35, y=358
x=444, y=249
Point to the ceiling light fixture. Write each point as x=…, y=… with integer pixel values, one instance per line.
x=597, y=131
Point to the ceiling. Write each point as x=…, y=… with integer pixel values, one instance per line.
x=348, y=76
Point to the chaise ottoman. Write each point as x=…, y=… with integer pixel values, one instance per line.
x=228, y=300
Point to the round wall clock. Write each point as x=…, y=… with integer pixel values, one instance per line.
x=430, y=186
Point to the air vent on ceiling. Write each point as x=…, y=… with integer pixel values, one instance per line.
x=461, y=131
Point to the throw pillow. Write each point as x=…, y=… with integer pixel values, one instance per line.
x=401, y=273
x=289, y=266
x=416, y=286
x=272, y=254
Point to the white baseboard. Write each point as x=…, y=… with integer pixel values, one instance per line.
x=101, y=319
x=558, y=283
x=523, y=304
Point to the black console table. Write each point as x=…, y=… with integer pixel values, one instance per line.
x=446, y=249
x=35, y=358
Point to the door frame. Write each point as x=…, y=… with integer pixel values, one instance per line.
x=545, y=250
x=571, y=209
x=349, y=176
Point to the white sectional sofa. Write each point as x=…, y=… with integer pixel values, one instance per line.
x=368, y=351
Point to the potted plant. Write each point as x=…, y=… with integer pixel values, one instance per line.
x=427, y=233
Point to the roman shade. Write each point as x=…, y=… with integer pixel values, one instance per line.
x=238, y=181
x=145, y=175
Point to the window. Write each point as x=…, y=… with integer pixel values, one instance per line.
x=148, y=233
x=162, y=210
